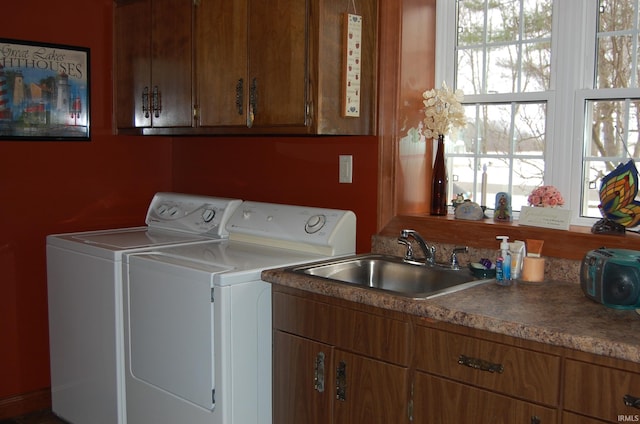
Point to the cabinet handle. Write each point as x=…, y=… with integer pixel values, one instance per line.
x=631, y=401
x=156, y=102
x=341, y=382
x=240, y=96
x=535, y=420
x=318, y=378
x=145, y=101
x=480, y=364
x=253, y=101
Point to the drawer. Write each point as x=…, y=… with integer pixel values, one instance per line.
x=459, y=403
x=600, y=392
x=518, y=372
x=360, y=332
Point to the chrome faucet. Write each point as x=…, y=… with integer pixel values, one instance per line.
x=455, y=264
x=428, y=251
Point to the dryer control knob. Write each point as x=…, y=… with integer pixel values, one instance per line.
x=315, y=223
x=208, y=215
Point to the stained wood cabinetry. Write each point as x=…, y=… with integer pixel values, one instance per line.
x=482, y=381
x=342, y=362
x=240, y=67
x=153, y=69
x=366, y=379
x=601, y=390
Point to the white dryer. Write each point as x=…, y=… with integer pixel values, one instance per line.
x=84, y=278
x=197, y=318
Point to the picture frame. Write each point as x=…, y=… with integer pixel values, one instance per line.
x=44, y=91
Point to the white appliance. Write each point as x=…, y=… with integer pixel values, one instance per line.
x=198, y=317
x=84, y=277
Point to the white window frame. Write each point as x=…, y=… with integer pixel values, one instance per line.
x=573, y=59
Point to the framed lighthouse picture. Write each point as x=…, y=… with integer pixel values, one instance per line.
x=44, y=91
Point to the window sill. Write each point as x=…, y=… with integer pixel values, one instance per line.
x=571, y=244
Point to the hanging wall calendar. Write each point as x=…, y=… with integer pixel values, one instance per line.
x=352, y=65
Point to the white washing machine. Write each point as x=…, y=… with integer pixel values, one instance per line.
x=198, y=318
x=84, y=278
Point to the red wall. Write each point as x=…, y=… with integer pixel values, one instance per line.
x=296, y=170
x=51, y=187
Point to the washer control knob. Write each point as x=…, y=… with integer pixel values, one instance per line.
x=315, y=223
x=208, y=215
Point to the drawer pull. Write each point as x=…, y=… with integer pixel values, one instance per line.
x=480, y=364
x=631, y=401
x=535, y=420
x=318, y=377
x=341, y=382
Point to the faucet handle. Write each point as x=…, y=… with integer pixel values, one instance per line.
x=455, y=264
x=409, y=254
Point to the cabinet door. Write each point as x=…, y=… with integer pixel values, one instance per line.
x=278, y=62
x=370, y=391
x=132, y=63
x=171, y=54
x=221, y=63
x=153, y=63
x=302, y=380
x=441, y=401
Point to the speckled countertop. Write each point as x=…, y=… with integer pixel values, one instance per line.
x=555, y=312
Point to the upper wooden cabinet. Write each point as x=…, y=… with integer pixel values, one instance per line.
x=241, y=67
x=153, y=63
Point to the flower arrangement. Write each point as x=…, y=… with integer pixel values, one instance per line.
x=546, y=197
x=443, y=110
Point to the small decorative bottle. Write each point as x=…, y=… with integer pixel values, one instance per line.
x=439, y=181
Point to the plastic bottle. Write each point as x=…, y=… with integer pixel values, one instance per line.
x=504, y=277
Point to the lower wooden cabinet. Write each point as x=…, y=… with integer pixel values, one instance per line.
x=607, y=392
x=569, y=418
x=323, y=381
x=303, y=386
x=442, y=401
x=340, y=362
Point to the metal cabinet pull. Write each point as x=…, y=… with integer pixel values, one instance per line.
x=240, y=96
x=156, y=102
x=145, y=101
x=341, y=382
x=318, y=377
x=480, y=364
x=631, y=401
x=535, y=420
x=253, y=101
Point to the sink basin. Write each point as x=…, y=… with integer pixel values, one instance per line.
x=392, y=274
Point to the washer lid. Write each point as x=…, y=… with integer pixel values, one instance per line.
x=134, y=238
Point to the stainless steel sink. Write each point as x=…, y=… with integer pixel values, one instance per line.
x=392, y=274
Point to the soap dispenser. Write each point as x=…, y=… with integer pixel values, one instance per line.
x=503, y=263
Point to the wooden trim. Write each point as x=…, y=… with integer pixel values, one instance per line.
x=571, y=244
x=388, y=82
x=25, y=403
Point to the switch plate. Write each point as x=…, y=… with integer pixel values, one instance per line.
x=346, y=169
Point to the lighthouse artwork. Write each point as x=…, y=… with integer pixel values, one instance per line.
x=44, y=91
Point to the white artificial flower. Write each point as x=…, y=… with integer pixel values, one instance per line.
x=443, y=111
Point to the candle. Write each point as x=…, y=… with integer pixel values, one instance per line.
x=484, y=186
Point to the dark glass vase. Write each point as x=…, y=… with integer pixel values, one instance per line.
x=439, y=181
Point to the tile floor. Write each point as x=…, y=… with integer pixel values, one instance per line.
x=42, y=417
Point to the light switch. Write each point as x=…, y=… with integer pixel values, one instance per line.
x=346, y=169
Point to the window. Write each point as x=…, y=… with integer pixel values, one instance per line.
x=551, y=95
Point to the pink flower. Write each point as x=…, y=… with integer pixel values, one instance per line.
x=545, y=196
